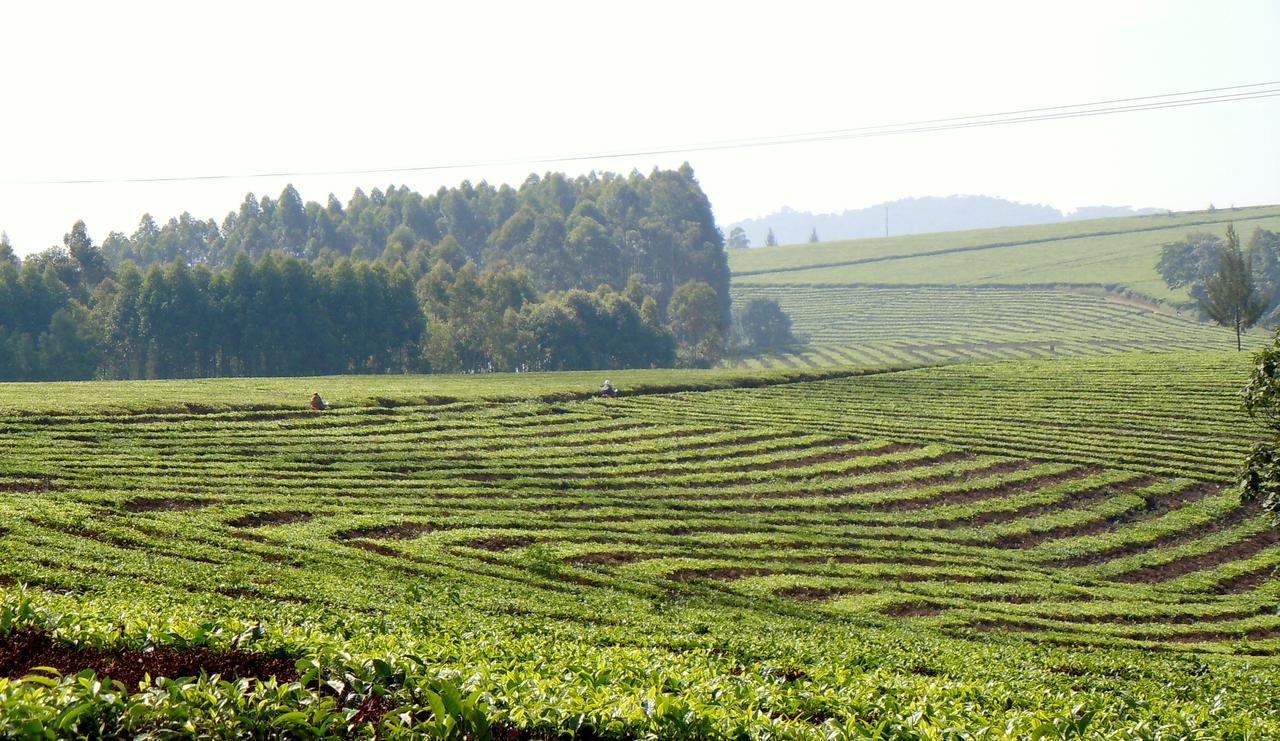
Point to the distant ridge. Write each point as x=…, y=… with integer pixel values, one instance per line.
x=917, y=216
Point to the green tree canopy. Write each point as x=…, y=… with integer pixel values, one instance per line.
x=765, y=325
x=1230, y=297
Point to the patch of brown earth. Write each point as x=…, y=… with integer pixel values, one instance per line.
x=402, y=531
x=279, y=517
x=967, y=496
x=1238, y=550
x=1070, y=499
x=1235, y=517
x=1155, y=507
x=614, y=558
x=372, y=547
x=23, y=650
x=954, y=578
x=165, y=504
x=1245, y=582
x=36, y=483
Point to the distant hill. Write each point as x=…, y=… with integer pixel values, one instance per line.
x=918, y=216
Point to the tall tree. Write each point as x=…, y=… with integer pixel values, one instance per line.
x=1231, y=299
x=89, y=259
x=765, y=324
x=695, y=322
x=813, y=236
x=770, y=240
x=6, y=250
x=738, y=238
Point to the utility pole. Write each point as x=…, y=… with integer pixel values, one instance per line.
x=886, y=219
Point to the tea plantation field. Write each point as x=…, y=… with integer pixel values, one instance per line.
x=1075, y=288
x=1118, y=252
x=1029, y=549
x=885, y=325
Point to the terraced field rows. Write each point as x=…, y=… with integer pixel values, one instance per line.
x=1005, y=482
x=862, y=325
x=1076, y=503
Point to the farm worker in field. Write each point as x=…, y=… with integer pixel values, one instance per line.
x=608, y=389
x=317, y=404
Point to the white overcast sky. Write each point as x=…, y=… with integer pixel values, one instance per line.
x=136, y=90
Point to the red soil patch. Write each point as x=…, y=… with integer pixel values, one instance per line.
x=1072, y=499
x=1238, y=550
x=1235, y=517
x=372, y=547
x=165, y=504
x=1154, y=508
x=402, y=531
x=35, y=483
x=1245, y=582
x=281, y=517
x=955, y=578
x=978, y=494
x=615, y=558
x=23, y=650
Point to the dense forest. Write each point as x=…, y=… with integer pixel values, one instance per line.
x=599, y=271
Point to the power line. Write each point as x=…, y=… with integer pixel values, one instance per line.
x=1232, y=93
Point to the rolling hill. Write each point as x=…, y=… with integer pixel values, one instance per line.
x=1084, y=287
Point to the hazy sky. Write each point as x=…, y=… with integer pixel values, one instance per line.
x=138, y=90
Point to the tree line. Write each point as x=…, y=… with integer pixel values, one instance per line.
x=1233, y=286
x=599, y=271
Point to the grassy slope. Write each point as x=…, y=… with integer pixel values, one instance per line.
x=1120, y=251
x=994, y=545
x=1015, y=292
x=933, y=324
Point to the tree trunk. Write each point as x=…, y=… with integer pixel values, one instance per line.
x=1238, y=348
